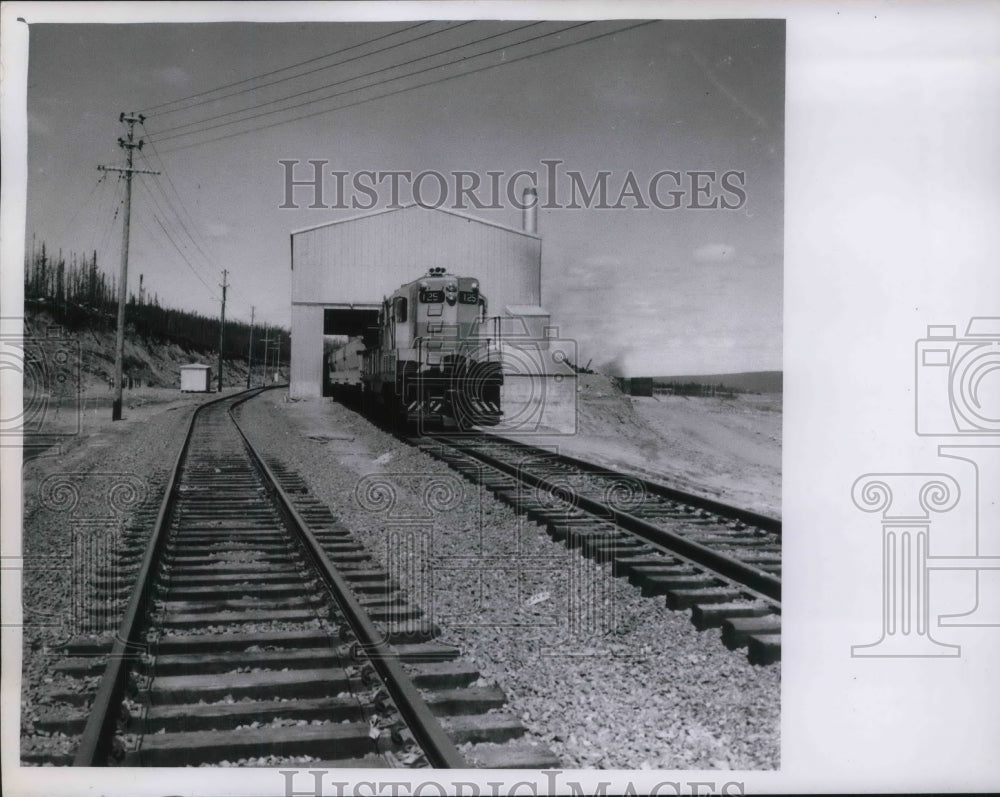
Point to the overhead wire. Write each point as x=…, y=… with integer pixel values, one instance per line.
x=405, y=89
x=303, y=93
x=304, y=74
x=94, y=232
x=159, y=237
x=160, y=220
x=170, y=203
x=85, y=202
x=334, y=95
x=181, y=214
x=184, y=257
x=120, y=194
x=152, y=108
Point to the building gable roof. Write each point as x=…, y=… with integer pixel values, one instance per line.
x=412, y=205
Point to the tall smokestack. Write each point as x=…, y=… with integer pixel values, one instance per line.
x=530, y=203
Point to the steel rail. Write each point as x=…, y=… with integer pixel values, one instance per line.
x=758, y=580
x=765, y=522
x=95, y=742
x=427, y=731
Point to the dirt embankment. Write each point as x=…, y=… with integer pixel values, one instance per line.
x=726, y=449
x=91, y=353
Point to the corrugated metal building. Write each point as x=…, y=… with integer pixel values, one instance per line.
x=343, y=269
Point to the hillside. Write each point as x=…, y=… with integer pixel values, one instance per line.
x=150, y=363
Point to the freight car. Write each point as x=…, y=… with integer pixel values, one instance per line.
x=430, y=360
x=343, y=372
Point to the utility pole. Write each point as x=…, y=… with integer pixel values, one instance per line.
x=250, y=353
x=222, y=323
x=128, y=144
x=266, y=332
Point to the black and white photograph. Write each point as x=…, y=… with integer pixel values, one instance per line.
x=403, y=387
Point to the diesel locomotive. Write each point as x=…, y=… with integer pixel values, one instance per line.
x=429, y=361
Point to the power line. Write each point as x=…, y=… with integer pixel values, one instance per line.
x=183, y=213
x=118, y=202
x=184, y=257
x=444, y=79
x=304, y=74
x=183, y=208
x=268, y=74
x=174, y=243
x=161, y=138
x=166, y=217
x=102, y=210
x=160, y=237
x=80, y=206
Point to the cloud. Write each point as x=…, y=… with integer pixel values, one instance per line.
x=174, y=75
x=715, y=253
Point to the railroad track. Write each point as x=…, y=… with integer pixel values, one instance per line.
x=721, y=562
x=260, y=632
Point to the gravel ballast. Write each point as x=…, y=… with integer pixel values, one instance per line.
x=110, y=470
x=605, y=677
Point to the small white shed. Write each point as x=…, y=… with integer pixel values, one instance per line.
x=196, y=378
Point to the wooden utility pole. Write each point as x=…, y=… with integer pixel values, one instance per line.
x=250, y=352
x=264, y=381
x=129, y=144
x=222, y=323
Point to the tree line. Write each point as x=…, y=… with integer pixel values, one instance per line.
x=78, y=294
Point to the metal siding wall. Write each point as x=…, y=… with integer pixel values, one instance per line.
x=364, y=259
x=306, y=378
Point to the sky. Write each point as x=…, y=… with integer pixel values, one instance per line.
x=650, y=290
